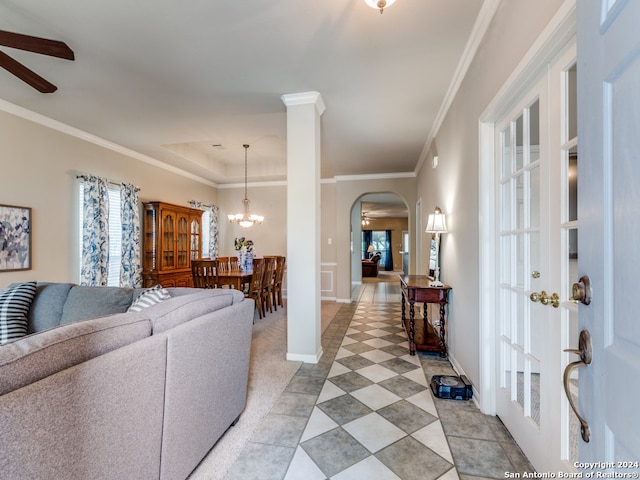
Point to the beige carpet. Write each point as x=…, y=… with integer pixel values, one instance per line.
x=269, y=374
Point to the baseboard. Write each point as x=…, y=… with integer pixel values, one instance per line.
x=296, y=357
x=460, y=371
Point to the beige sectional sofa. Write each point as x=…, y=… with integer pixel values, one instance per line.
x=129, y=395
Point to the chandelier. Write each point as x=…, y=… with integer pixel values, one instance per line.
x=380, y=4
x=245, y=219
x=365, y=220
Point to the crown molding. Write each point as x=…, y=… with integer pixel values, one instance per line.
x=276, y=183
x=486, y=14
x=305, y=98
x=39, y=119
x=374, y=176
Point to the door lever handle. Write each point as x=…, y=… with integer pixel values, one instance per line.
x=581, y=291
x=584, y=351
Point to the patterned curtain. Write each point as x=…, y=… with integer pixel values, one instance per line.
x=95, y=232
x=213, y=231
x=130, y=266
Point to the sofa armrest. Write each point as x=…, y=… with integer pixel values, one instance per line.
x=206, y=385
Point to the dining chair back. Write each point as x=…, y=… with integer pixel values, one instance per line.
x=204, y=273
x=255, y=288
x=267, y=283
x=277, y=282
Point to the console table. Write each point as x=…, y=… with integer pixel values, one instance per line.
x=422, y=335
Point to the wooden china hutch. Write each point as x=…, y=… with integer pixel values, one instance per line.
x=172, y=238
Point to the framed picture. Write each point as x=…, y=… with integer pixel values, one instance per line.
x=15, y=238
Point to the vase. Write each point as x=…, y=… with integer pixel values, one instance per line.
x=245, y=261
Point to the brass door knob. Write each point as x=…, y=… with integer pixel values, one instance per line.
x=553, y=300
x=545, y=299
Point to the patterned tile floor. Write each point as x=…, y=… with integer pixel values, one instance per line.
x=365, y=411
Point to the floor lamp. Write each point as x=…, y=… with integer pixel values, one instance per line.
x=437, y=224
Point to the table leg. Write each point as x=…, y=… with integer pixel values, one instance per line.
x=412, y=343
x=403, y=317
x=443, y=345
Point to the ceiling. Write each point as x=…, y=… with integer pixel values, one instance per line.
x=379, y=205
x=188, y=83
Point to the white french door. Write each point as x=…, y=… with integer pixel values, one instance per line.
x=537, y=227
x=524, y=345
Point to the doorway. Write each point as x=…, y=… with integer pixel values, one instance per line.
x=529, y=157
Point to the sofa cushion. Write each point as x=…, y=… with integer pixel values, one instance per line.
x=167, y=315
x=46, y=308
x=149, y=297
x=15, y=301
x=90, y=302
x=37, y=356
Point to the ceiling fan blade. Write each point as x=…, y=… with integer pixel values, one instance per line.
x=53, y=48
x=26, y=75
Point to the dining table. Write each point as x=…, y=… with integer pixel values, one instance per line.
x=235, y=278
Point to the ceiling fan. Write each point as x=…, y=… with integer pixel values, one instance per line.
x=43, y=46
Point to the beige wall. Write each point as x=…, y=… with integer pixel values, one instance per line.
x=454, y=184
x=39, y=168
x=270, y=237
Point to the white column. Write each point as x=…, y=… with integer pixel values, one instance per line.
x=303, y=226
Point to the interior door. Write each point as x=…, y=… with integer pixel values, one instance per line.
x=525, y=328
x=609, y=211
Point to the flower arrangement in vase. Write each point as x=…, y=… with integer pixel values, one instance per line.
x=245, y=252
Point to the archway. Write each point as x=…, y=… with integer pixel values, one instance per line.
x=380, y=226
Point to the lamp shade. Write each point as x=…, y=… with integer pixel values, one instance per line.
x=436, y=223
x=370, y=249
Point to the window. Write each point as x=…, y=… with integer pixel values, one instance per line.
x=206, y=233
x=115, y=234
x=379, y=241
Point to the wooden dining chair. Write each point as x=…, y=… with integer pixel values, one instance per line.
x=277, y=282
x=233, y=263
x=267, y=283
x=204, y=273
x=255, y=289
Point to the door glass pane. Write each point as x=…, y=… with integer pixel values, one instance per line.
x=520, y=260
x=534, y=132
x=506, y=295
x=507, y=369
x=519, y=126
x=520, y=206
x=506, y=152
x=534, y=196
x=505, y=267
x=506, y=206
x=535, y=392
x=572, y=104
x=523, y=381
x=520, y=319
x=572, y=179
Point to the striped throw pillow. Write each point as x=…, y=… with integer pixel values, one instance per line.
x=15, y=301
x=149, y=297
